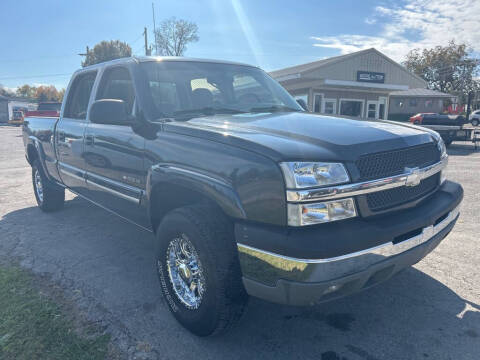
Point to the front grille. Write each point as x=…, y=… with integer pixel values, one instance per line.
x=382, y=200
x=390, y=163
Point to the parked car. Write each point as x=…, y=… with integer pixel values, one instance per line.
x=417, y=118
x=438, y=119
x=246, y=193
x=17, y=118
x=46, y=109
x=475, y=118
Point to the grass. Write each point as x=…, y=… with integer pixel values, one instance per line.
x=32, y=326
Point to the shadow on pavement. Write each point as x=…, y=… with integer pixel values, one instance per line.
x=106, y=265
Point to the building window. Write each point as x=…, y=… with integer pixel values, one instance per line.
x=372, y=110
x=317, y=103
x=351, y=107
x=412, y=102
x=428, y=103
x=329, y=106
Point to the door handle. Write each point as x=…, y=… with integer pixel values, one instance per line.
x=61, y=136
x=89, y=140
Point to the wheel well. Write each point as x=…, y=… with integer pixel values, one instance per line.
x=167, y=197
x=31, y=153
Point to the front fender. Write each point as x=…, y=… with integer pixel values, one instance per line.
x=218, y=190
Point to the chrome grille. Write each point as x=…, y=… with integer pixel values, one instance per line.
x=389, y=163
x=386, y=199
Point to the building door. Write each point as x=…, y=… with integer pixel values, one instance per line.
x=372, y=109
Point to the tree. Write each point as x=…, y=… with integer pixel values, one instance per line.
x=26, y=91
x=449, y=69
x=48, y=93
x=107, y=50
x=173, y=36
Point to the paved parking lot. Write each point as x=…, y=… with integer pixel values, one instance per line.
x=105, y=265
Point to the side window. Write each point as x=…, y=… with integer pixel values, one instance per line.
x=117, y=84
x=79, y=95
x=165, y=96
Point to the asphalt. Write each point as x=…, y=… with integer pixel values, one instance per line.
x=105, y=266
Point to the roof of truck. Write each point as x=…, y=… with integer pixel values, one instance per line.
x=139, y=59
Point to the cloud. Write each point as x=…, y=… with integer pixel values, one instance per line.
x=416, y=24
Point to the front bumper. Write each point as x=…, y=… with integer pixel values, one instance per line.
x=305, y=280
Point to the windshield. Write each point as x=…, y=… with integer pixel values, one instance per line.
x=185, y=89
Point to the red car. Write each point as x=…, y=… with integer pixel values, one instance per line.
x=418, y=118
x=46, y=109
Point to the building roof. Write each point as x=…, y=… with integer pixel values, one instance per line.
x=293, y=70
x=419, y=92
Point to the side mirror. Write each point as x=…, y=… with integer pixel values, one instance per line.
x=303, y=104
x=110, y=111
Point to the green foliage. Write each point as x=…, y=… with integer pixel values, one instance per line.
x=33, y=327
x=174, y=35
x=41, y=93
x=451, y=69
x=107, y=50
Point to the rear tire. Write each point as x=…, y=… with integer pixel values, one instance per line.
x=50, y=197
x=475, y=122
x=218, y=298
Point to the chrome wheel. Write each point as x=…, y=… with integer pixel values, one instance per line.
x=38, y=185
x=185, y=272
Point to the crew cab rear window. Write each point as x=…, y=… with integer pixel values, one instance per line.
x=117, y=84
x=79, y=95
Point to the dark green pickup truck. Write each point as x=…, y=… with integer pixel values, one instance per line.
x=246, y=193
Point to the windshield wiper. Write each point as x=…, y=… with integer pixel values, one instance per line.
x=189, y=114
x=273, y=108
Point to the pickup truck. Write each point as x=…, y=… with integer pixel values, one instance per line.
x=244, y=191
x=45, y=109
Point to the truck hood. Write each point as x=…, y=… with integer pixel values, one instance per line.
x=301, y=136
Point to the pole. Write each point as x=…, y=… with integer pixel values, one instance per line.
x=154, y=29
x=148, y=51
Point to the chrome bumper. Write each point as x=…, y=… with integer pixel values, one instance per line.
x=268, y=268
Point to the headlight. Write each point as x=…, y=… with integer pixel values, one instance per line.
x=442, y=147
x=310, y=174
x=317, y=213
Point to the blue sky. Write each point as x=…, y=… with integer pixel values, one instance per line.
x=43, y=38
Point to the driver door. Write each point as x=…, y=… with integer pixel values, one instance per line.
x=114, y=154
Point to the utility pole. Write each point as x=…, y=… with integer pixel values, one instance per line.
x=154, y=29
x=148, y=51
x=86, y=53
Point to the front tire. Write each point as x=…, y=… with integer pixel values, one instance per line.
x=199, y=271
x=50, y=197
x=475, y=122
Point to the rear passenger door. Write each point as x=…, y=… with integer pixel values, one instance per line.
x=70, y=130
x=114, y=154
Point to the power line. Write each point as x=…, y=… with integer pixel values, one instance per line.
x=34, y=76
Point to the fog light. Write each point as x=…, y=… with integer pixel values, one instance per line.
x=331, y=289
x=317, y=213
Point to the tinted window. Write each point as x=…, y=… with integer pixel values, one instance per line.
x=79, y=95
x=117, y=84
x=49, y=106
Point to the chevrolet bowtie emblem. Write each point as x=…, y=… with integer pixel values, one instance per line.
x=413, y=177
